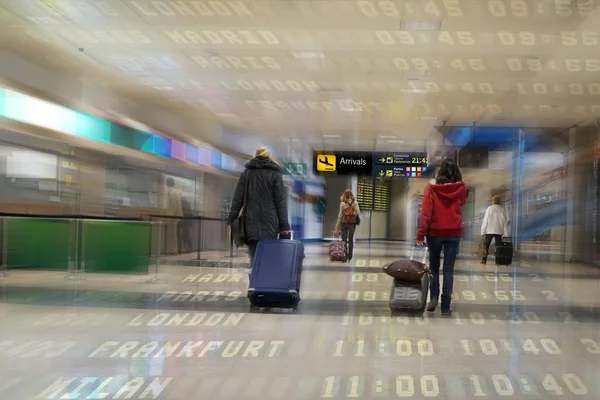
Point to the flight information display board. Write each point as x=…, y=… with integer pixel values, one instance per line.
x=373, y=196
x=364, y=193
x=382, y=195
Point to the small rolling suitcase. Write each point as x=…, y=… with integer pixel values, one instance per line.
x=337, y=250
x=410, y=296
x=504, y=252
x=276, y=273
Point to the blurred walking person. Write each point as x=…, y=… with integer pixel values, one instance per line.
x=261, y=197
x=493, y=227
x=348, y=219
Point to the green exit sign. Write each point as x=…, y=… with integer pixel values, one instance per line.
x=298, y=169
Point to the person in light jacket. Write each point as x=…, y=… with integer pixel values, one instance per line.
x=348, y=219
x=494, y=227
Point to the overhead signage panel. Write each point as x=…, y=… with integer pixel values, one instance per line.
x=400, y=165
x=295, y=169
x=397, y=158
x=393, y=171
x=342, y=163
x=379, y=164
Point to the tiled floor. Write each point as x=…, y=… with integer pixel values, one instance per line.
x=528, y=331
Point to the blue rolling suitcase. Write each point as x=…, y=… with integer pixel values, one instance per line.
x=276, y=272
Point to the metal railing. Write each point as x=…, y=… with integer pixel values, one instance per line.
x=188, y=239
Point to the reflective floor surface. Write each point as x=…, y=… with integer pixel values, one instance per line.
x=526, y=331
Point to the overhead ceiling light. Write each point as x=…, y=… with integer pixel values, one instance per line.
x=308, y=55
x=396, y=141
x=388, y=136
x=427, y=118
x=420, y=25
x=226, y=115
x=414, y=91
x=331, y=136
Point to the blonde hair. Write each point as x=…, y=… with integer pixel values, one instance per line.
x=264, y=153
x=347, y=196
x=496, y=200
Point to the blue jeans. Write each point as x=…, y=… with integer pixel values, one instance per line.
x=450, y=245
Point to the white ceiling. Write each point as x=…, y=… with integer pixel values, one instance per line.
x=304, y=69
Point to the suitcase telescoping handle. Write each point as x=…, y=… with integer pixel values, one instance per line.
x=422, y=249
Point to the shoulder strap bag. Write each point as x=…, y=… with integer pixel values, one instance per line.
x=238, y=228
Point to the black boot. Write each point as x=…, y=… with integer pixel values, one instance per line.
x=432, y=305
x=446, y=300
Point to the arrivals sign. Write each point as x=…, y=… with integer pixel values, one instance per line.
x=342, y=163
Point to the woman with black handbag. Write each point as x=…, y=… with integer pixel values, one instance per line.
x=259, y=207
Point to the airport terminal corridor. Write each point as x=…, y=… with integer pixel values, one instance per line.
x=530, y=330
x=165, y=165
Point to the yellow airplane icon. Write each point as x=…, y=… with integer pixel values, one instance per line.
x=326, y=163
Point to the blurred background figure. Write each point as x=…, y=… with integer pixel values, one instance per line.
x=493, y=227
x=348, y=219
x=174, y=209
x=186, y=226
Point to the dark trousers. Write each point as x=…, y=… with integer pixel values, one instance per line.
x=184, y=240
x=347, y=231
x=487, y=241
x=450, y=247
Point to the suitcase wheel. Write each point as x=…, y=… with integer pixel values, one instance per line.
x=295, y=310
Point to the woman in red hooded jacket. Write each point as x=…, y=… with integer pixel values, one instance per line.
x=441, y=223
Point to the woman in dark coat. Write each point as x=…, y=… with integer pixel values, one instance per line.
x=266, y=214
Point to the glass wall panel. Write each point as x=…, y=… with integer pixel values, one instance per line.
x=133, y=187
